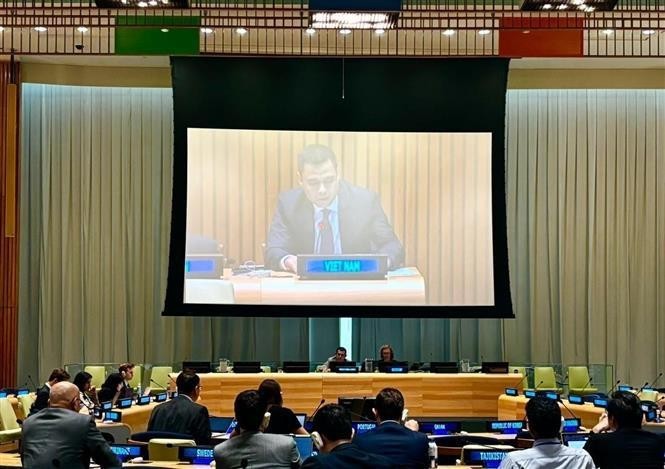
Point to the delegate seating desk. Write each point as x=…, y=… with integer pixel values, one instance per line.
x=512, y=408
x=426, y=394
x=284, y=288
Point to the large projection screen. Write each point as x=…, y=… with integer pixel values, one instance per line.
x=261, y=210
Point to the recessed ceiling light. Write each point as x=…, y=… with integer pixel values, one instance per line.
x=206, y=30
x=607, y=32
x=590, y=9
x=379, y=32
x=449, y=32
x=40, y=29
x=142, y=4
x=310, y=31
x=82, y=29
x=577, y=2
x=164, y=30
x=648, y=32
x=345, y=31
x=563, y=6
x=547, y=6
x=241, y=31
x=152, y=3
x=484, y=32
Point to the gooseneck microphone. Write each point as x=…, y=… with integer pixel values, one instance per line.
x=613, y=387
x=652, y=382
x=586, y=385
x=311, y=418
x=32, y=382
x=155, y=382
x=642, y=388
x=538, y=385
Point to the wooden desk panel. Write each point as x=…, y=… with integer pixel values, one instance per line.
x=512, y=408
x=426, y=394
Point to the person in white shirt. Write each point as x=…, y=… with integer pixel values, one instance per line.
x=544, y=421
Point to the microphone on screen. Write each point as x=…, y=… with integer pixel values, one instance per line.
x=311, y=418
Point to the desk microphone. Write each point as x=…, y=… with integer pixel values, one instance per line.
x=155, y=382
x=652, y=382
x=568, y=409
x=32, y=382
x=311, y=418
x=538, y=385
x=586, y=385
x=643, y=386
x=564, y=382
x=614, y=386
x=520, y=380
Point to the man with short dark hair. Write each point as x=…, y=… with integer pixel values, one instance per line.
x=182, y=414
x=59, y=436
x=250, y=447
x=339, y=357
x=404, y=446
x=327, y=215
x=42, y=394
x=544, y=421
x=618, y=441
x=332, y=424
x=126, y=370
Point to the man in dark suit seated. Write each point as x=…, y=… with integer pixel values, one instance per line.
x=59, y=436
x=332, y=436
x=182, y=414
x=406, y=447
x=328, y=215
x=42, y=394
x=618, y=441
x=126, y=370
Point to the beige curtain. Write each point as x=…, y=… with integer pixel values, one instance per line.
x=586, y=228
x=585, y=173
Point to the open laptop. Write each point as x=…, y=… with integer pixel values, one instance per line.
x=295, y=367
x=305, y=446
x=247, y=367
x=575, y=440
x=495, y=367
x=197, y=366
x=301, y=418
x=444, y=367
x=125, y=452
x=221, y=427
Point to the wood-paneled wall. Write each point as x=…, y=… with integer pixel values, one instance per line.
x=9, y=190
x=435, y=190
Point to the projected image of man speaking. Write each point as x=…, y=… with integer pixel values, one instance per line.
x=327, y=215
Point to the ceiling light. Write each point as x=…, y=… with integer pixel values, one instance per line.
x=379, y=32
x=241, y=31
x=547, y=6
x=590, y=9
x=563, y=6
x=648, y=32
x=350, y=20
x=310, y=31
x=484, y=32
x=152, y=3
x=142, y=4
x=82, y=29
x=581, y=7
x=449, y=32
x=345, y=31
x=207, y=30
x=164, y=30
x=577, y=2
x=607, y=32
x=40, y=29
x=1, y=29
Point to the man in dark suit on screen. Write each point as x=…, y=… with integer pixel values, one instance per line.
x=59, y=436
x=327, y=215
x=182, y=414
x=403, y=445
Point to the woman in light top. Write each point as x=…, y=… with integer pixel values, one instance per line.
x=87, y=392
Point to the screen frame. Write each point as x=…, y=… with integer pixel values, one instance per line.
x=198, y=107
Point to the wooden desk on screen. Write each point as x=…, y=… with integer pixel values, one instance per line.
x=426, y=394
x=512, y=408
x=283, y=288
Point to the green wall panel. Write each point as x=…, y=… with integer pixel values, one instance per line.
x=143, y=35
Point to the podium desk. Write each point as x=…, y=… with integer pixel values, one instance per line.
x=426, y=394
x=284, y=288
x=513, y=408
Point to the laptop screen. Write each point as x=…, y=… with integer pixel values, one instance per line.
x=575, y=440
x=305, y=446
x=196, y=454
x=127, y=452
x=301, y=418
x=220, y=424
x=571, y=425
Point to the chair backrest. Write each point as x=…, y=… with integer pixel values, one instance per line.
x=160, y=375
x=545, y=376
x=24, y=405
x=520, y=370
x=166, y=449
x=7, y=415
x=137, y=379
x=648, y=395
x=119, y=431
x=98, y=373
x=578, y=377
